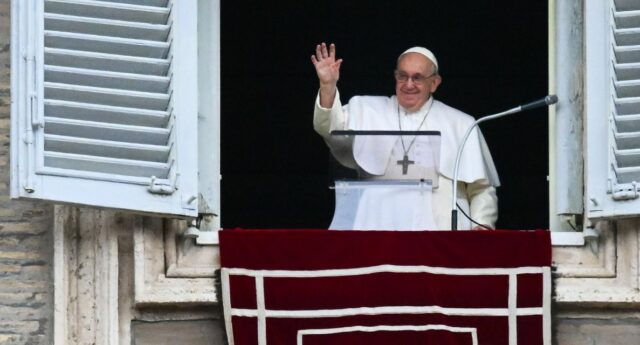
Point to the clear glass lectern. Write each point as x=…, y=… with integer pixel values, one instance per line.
x=396, y=174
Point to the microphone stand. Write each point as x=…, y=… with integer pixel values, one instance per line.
x=551, y=99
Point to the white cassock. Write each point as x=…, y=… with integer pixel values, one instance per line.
x=376, y=157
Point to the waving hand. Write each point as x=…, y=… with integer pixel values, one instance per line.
x=328, y=71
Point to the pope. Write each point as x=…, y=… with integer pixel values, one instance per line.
x=412, y=108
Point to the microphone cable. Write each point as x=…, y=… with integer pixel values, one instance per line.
x=472, y=221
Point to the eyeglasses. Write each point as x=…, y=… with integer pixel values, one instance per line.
x=418, y=79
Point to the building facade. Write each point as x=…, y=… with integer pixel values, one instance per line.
x=78, y=275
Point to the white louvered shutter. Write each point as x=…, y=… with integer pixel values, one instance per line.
x=105, y=103
x=613, y=107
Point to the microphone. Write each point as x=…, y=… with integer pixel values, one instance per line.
x=548, y=100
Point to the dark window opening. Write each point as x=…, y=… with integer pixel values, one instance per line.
x=492, y=56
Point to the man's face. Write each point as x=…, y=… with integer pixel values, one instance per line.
x=415, y=81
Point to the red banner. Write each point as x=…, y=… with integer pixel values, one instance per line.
x=386, y=287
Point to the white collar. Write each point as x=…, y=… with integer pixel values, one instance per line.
x=425, y=107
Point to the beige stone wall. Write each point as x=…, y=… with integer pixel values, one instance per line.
x=596, y=286
x=25, y=236
x=130, y=279
x=91, y=308
x=612, y=326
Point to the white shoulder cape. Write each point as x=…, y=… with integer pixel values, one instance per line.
x=372, y=153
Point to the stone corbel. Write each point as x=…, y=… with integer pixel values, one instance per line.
x=592, y=260
x=170, y=270
x=607, y=277
x=184, y=258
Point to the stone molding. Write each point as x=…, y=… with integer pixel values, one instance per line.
x=173, y=283
x=184, y=258
x=603, y=273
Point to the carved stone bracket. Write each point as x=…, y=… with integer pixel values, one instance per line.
x=168, y=269
x=593, y=260
x=184, y=258
x=603, y=273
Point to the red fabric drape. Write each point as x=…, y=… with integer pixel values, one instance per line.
x=386, y=287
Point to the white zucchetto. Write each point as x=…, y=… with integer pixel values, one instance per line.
x=423, y=51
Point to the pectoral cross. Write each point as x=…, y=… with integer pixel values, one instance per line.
x=405, y=164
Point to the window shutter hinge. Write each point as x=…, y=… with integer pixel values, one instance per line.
x=162, y=187
x=36, y=122
x=627, y=191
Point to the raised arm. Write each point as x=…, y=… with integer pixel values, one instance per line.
x=328, y=70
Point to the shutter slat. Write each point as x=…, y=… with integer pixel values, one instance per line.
x=144, y=181
x=627, y=54
x=105, y=131
x=627, y=123
x=628, y=71
x=627, y=37
x=106, y=44
x=159, y=3
x=105, y=113
x=105, y=27
x=628, y=88
x=111, y=80
x=626, y=141
x=118, y=98
x=106, y=148
x=106, y=62
x=109, y=10
x=627, y=175
x=105, y=165
x=627, y=106
x=627, y=19
x=626, y=5
x=628, y=158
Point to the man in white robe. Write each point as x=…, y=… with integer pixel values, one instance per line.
x=412, y=109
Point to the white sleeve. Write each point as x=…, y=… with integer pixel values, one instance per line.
x=483, y=203
x=326, y=120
